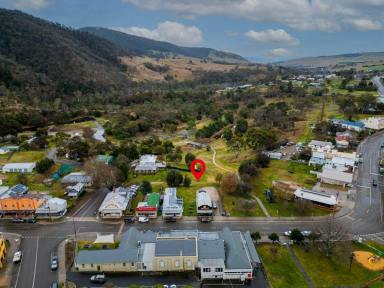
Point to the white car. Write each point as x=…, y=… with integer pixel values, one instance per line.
x=306, y=233
x=287, y=233
x=17, y=257
x=143, y=220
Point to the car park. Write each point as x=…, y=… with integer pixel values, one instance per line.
x=98, y=278
x=143, y=219
x=17, y=257
x=54, y=263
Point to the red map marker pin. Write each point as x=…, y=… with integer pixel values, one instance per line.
x=197, y=168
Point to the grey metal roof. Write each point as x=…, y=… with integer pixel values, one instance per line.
x=211, y=249
x=236, y=254
x=126, y=252
x=251, y=248
x=175, y=247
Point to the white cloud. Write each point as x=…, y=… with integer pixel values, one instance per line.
x=323, y=15
x=279, y=52
x=365, y=24
x=34, y=4
x=271, y=36
x=173, y=32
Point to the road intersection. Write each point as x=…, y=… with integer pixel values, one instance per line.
x=40, y=240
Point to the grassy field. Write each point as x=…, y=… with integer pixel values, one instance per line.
x=282, y=271
x=334, y=271
x=27, y=156
x=284, y=170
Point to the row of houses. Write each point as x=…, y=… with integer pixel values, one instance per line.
x=220, y=255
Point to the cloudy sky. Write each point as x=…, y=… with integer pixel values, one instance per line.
x=262, y=30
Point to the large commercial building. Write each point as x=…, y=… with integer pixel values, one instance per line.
x=221, y=255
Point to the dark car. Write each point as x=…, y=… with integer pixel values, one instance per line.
x=130, y=219
x=98, y=278
x=374, y=183
x=54, y=263
x=170, y=219
x=31, y=220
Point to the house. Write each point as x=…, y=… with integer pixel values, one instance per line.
x=343, y=139
x=52, y=207
x=149, y=207
x=349, y=125
x=25, y=204
x=172, y=206
x=18, y=190
x=334, y=177
x=374, y=123
x=75, y=190
x=8, y=149
x=204, y=205
x=343, y=164
x=19, y=167
x=148, y=164
x=318, y=158
x=3, y=252
x=114, y=205
x=320, y=146
x=317, y=198
x=222, y=255
x=77, y=177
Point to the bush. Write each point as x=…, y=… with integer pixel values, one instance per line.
x=44, y=165
x=174, y=178
x=187, y=181
x=146, y=187
x=189, y=157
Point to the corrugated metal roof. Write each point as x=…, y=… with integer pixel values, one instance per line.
x=211, y=249
x=175, y=247
x=315, y=196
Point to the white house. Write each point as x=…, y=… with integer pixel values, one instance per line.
x=148, y=164
x=52, y=207
x=172, y=206
x=114, y=205
x=77, y=177
x=318, y=158
x=320, y=146
x=19, y=167
x=334, y=177
x=343, y=164
x=375, y=123
x=318, y=198
x=204, y=204
x=75, y=190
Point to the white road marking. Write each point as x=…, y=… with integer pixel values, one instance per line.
x=18, y=272
x=121, y=229
x=81, y=207
x=34, y=271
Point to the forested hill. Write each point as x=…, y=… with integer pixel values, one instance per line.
x=147, y=47
x=49, y=60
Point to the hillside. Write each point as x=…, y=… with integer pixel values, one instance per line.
x=52, y=60
x=361, y=61
x=141, y=46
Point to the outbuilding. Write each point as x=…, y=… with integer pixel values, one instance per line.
x=334, y=177
x=19, y=167
x=317, y=198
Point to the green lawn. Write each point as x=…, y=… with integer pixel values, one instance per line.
x=27, y=156
x=282, y=271
x=334, y=271
x=284, y=170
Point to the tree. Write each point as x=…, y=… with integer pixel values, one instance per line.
x=304, y=206
x=262, y=160
x=313, y=236
x=189, y=157
x=229, y=183
x=122, y=164
x=218, y=177
x=256, y=236
x=77, y=149
x=146, y=187
x=241, y=126
x=43, y=165
x=227, y=134
x=174, y=178
x=130, y=151
x=331, y=232
x=22, y=179
x=248, y=167
x=187, y=181
x=296, y=236
x=103, y=175
x=273, y=237
x=244, y=188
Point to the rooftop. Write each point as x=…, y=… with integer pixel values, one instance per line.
x=153, y=199
x=315, y=196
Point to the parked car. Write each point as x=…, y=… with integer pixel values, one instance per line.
x=382, y=145
x=306, y=233
x=374, y=183
x=287, y=233
x=18, y=220
x=130, y=219
x=17, y=257
x=143, y=220
x=170, y=219
x=98, y=278
x=54, y=285
x=54, y=263
x=31, y=220
x=214, y=204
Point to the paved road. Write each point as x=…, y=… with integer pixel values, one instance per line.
x=40, y=241
x=99, y=134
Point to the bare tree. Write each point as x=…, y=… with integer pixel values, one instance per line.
x=331, y=232
x=103, y=175
x=304, y=206
x=246, y=205
x=229, y=183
